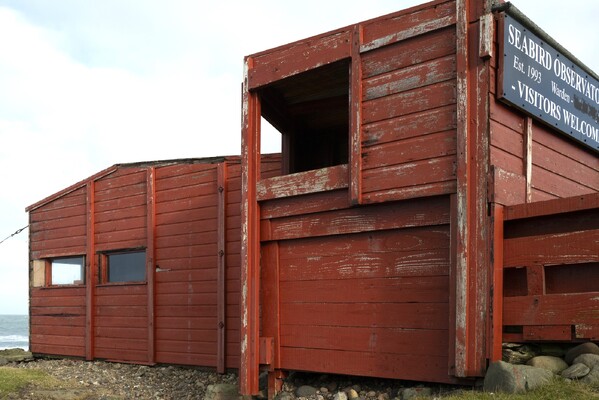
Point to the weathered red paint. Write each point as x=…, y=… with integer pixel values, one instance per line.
x=151, y=259
x=90, y=272
x=221, y=281
x=411, y=255
x=175, y=211
x=434, y=159
x=555, y=243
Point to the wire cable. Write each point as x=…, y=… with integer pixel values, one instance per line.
x=14, y=234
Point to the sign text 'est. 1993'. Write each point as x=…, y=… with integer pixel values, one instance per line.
x=546, y=84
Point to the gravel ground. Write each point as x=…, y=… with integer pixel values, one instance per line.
x=98, y=380
x=103, y=380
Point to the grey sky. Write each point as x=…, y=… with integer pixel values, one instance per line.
x=87, y=84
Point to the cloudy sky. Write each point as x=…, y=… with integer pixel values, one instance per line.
x=88, y=84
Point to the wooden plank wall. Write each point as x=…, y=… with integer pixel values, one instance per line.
x=57, y=316
x=409, y=105
x=120, y=323
x=532, y=162
x=363, y=291
x=186, y=254
x=551, y=270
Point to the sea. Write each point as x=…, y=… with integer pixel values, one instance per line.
x=14, y=331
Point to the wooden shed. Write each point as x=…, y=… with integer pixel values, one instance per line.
x=425, y=208
x=140, y=263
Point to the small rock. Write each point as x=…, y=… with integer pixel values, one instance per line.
x=371, y=394
x=305, y=391
x=590, y=360
x=516, y=353
x=284, y=396
x=585, y=348
x=357, y=388
x=550, y=363
x=324, y=390
x=221, y=391
x=352, y=394
x=592, y=379
x=510, y=378
x=383, y=396
x=332, y=386
x=340, y=396
x=411, y=393
x=576, y=371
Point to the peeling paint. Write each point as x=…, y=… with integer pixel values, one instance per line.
x=420, y=29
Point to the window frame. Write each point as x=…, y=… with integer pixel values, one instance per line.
x=294, y=143
x=49, y=271
x=104, y=266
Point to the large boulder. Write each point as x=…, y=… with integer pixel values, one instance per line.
x=576, y=371
x=510, y=378
x=585, y=348
x=592, y=378
x=590, y=360
x=550, y=363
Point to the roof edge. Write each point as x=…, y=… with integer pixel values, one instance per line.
x=115, y=167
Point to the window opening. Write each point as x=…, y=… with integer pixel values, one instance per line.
x=311, y=111
x=67, y=271
x=126, y=266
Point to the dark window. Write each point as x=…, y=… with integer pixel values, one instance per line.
x=67, y=271
x=311, y=111
x=126, y=267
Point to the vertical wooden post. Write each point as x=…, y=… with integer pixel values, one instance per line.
x=90, y=270
x=453, y=301
x=528, y=157
x=473, y=222
x=150, y=257
x=355, y=120
x=497, y=283
x=271, y=319
x=250, y=239
x=221, y=287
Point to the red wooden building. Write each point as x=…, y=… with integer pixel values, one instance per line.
x=425, y=209
x=140, y=263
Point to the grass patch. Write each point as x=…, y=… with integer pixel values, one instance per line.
x=558, y=389
x=13, y=380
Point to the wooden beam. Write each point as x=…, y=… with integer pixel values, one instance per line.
x=453, y=241
x=250, y=238
x=528, y=157
x=314, y=181
x=552, y=309
x=270, y=298
x=495, y=350
x=91, y=277
x=221, y=280
x=150, y=258
x=552, y=248
x=355, y=119
x=554, y=206
x=473, y=221
x=462, y=201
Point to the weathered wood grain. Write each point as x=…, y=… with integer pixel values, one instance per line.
x=414, y=367
x=419, y=49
